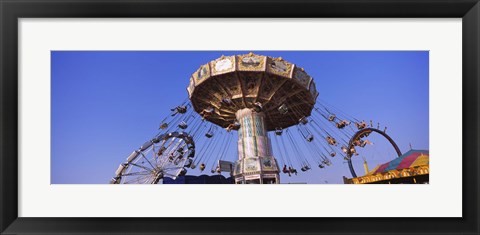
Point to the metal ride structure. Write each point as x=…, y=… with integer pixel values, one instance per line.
x=357, y=140
x=271, y=103
x=252, y=95
x=164, y=155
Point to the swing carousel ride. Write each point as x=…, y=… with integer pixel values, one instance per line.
x=264, y=100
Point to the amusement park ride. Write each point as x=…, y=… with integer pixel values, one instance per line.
x=262, y=99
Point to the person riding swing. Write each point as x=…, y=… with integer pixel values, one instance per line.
x=233, y=126
x=332, y=117
x=292, y=170
x=331, y=141
x=179, y=109
x=361, y=125
x=207, y=112
x=342, y=124
x=285, y=170
x=257, y=107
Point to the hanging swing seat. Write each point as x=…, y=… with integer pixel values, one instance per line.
x=283, y=109
x=331, y=141
x=257, y=107
x=233, y=126
x=163, y=126
x=361, y=125
x=183, y=125
x=303, y=120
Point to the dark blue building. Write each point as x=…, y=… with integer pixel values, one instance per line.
x=202, y=179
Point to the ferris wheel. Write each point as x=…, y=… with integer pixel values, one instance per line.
x=166, y=155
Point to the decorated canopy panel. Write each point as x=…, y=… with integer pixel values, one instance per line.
x=247, y=80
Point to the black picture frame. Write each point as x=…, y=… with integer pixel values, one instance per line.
x=12, y=10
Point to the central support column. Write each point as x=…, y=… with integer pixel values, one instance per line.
x=256, y=164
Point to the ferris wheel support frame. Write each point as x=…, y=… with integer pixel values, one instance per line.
x=186, y=137
x=359, y=134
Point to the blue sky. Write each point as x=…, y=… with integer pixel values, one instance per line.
x=105, y=104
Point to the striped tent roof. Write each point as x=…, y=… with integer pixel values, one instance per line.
x=409, y=159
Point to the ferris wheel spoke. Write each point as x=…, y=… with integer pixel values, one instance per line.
x=138, y=173
x=154, y=154
x=147, y=179
x=143, y=155
x=173, y=168
x=137, y=179
x=144, y=179
x=143, y=167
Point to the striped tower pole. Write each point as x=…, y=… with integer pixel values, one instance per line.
x=256, y=163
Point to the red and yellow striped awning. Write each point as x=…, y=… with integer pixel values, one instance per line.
x=409, y=159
